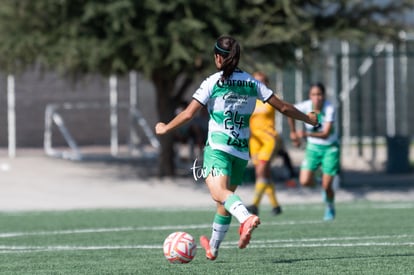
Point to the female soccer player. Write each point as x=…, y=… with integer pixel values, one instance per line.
x=322, y=149
x=262, y=144
x=230, y=96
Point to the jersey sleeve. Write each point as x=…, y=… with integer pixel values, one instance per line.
x=330, y=113
x=303, y=106
x=263, y=92
x=203, y=93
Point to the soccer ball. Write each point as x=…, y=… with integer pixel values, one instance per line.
x=179, y=248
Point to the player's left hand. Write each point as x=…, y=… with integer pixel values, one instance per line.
x=301, y=134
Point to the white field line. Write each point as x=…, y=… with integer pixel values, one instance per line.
x=319, y=242
x=131, y=228
x=305, y=206
x=226, y=245
x=368, y=205
x=275, y=243
x=395, y=206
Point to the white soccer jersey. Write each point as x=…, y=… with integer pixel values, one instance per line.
x=230, y=105
x=327, y=114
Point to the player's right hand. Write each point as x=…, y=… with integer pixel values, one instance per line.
x=160, y=128
x=313, y=117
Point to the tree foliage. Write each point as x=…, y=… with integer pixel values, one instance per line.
x=118, y=36
x=170, y=42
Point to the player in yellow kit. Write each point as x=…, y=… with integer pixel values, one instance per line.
x=262, y=145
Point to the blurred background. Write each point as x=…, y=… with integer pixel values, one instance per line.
x=89, y=79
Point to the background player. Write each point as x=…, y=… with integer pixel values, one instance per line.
x=262, y=145
x=322, y=148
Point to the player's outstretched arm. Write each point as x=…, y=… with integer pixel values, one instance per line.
x=290, y=111
x=186, y=115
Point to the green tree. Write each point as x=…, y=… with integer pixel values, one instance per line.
x=170, y=42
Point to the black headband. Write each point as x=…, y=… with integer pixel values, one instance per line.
x=217, y=49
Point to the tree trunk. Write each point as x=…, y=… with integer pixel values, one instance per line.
x=166, y=107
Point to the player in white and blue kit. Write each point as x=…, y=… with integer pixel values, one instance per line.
x=230, y=96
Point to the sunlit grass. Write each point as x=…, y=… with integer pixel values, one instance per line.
x=366, y=238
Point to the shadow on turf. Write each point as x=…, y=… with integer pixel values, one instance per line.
x=289, y=261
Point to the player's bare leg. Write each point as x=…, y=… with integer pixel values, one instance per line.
x=328, y=196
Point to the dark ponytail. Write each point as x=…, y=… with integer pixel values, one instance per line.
x=229, y=49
